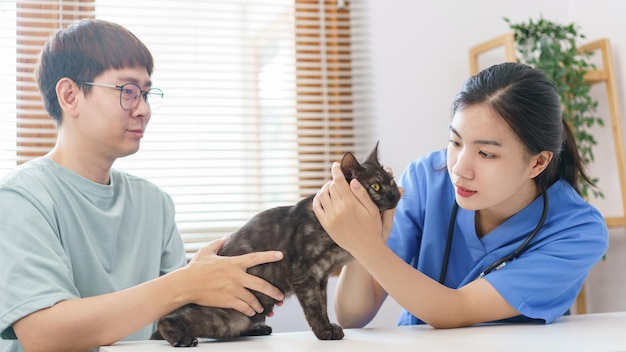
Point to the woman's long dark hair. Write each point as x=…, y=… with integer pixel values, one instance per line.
x=527, y=100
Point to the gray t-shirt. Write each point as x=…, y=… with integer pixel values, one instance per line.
x=63, y=236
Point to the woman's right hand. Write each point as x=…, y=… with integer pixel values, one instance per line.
x=220, y=281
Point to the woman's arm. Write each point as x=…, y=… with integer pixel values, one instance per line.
x=353, y=221
x=86, y=323
x=427, y=299
x=358, y=296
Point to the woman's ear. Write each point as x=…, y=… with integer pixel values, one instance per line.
x=540, y=162
x=68, y=96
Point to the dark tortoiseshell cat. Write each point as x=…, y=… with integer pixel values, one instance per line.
x=310, y=256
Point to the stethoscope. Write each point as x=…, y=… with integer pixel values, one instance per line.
x=502, y=261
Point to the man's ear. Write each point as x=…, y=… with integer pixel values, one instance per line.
x=540, y=162
x=68, y=95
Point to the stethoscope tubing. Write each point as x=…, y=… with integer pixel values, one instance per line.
x=502, y=261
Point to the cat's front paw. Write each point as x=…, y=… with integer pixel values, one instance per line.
x=258, y=330
x=185, y=341
x=332, y=332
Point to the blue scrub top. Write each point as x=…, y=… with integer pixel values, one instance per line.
x=541, y=284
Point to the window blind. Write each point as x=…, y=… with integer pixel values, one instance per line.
x=261, y=96
x=8, y=86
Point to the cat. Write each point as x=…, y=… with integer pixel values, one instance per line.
x=310, y=257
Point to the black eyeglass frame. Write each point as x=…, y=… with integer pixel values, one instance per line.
x=135, y=102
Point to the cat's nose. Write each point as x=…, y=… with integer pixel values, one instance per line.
x=392, y=200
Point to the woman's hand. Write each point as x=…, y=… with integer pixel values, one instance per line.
x=220, y=281
x=348, y=214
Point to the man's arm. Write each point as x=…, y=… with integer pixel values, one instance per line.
x=86, y=323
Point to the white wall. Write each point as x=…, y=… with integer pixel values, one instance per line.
x=419, y=52
x=420, y=60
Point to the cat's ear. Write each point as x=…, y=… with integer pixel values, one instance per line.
x=373, y=157
x=350, y=166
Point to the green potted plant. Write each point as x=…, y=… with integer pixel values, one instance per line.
x=553, y=48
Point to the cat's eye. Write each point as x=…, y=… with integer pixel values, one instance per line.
x=375, y=187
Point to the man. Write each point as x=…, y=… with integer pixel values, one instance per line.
x=89, y=254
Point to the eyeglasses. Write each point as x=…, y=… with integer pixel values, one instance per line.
x=130, y=93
